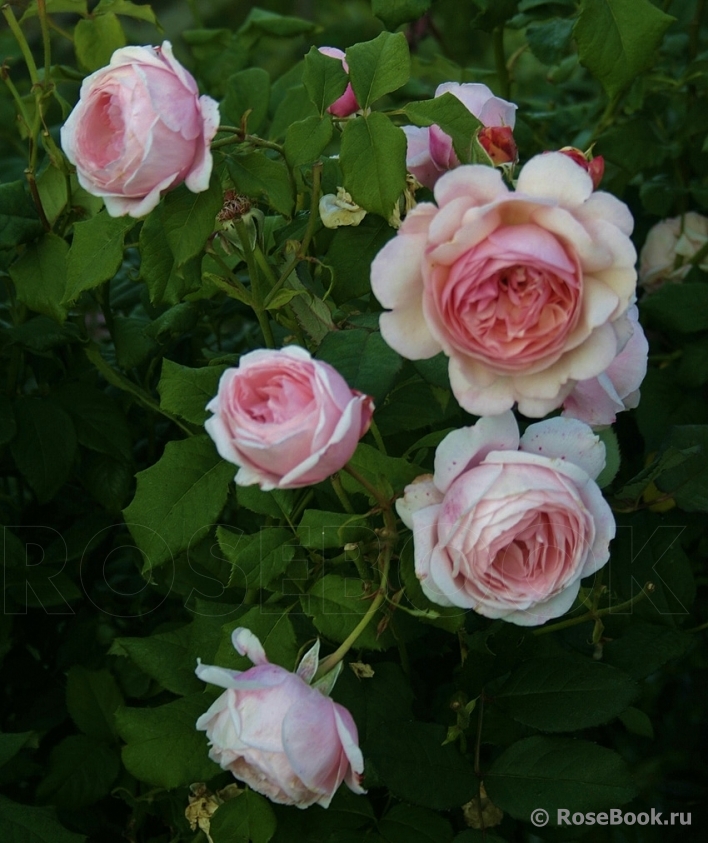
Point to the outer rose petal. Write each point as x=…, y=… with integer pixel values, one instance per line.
x=418, y=159
x=566, y=439
x=555, y=176
x=417, y=495
x=247, y=644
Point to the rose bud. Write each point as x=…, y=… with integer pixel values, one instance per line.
x=594, y=166
x=430, y=151
x=346, y=104
x=508, y=526
x=285, y=419
x=285, y=738
x=499, y=144
x=139, y=129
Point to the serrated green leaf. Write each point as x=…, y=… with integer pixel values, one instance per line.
x=324, y=78
x=393, y=13
x=188, y=219
x=256, y=175
x=166, y=657
x=307, y=139
x=126, y=8
x=453, y=117
x=167, y=282
x=378, y=67
x=81, y=771
x=320, y=530
x=411, y=824
x=96, y=39
x=26, y=824
x=186, y=392
x=19, y=222
x=92, y=698
x=678, y=307
x=39, y=276
x=363, y=359
x=246, y=819
x=246, y=91
x=258, y=559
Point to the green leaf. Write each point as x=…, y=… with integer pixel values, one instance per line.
x=167, y=282
x=391, y=472
x=96, y=252
x=107, y=479
x=492, y=13
x=189, y=218
x=92, y=698
x=39, y=276
x=11, y=743
x=395, y=12
x=248, y=90
x=19, y=222
x=351, y=248
x=166, y=657
x=562, y=695
x=410, y=407
x=453, y=117
x=177, y=499
x=269, y=23
x=549, y=41
x=294, y=106
x=307, y=139
x=25, y=824
x=373, y=159
x=678, y=307
x=128, y=9
x=277, y=503
x=378, y=67
x=186, y=392
x=687, y=483
x=81, y=771
x=415, y=766
x=258, y=559
x=618, y=39
x=272, y=626
x=246, y=819
x=96, y=39
x=320, y=530
x=45, y=445
x=256, y=175
x=643, y=648
x=324, y=78
x=163, y=748
x=557, y=773
x=336, y=605
x=363, y=359
x=98, y=420
x=410, y=824
x=132, y=346
x=613, y=457
x=8, y=425
x=637, y=722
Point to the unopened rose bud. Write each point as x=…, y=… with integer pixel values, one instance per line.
x=237, y=208
x=499, y=144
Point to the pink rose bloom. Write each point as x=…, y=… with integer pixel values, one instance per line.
x=287, y=420
x=509, y=526
x=520, y=289
x=139, y=129
x=346, y=104
x=598, y=400
x=669, y=247
x=272, y=730
x=430, y=151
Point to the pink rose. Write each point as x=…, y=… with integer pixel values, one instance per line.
x=598, y=400
x=346, y=104
x=287, y=420
x=139, y=129
x=271, y=729
x=509, y=526
x=669, y=247
x=521, y=289
x=430, y=151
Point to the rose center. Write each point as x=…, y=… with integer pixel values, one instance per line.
x=104, y=129
x=276, y=399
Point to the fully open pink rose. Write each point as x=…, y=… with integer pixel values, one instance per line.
x=272, y=730
x=346, y=104
x=598, y=400
x=140, y=128
x=287, y=420
x=430, y=151
x=669, y=248
x=509, y=526
x=521, y=289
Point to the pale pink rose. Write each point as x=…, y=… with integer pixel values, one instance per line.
x=346, y=104
x=430, y=151
x=139, y=129
x=272, y=730
x=520, y=289
x=508, y=526
x=598, y=400
x=669, y=247
x=287, y=420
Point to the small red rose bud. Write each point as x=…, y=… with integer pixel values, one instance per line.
x=498, y=142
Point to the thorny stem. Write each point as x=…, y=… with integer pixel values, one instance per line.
x=594, y=614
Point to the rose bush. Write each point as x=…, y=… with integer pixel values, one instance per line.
x=521, y=289
x=509, y=526
x=278, y=734
x=139, y=129
x=430, y=150
x=285, y=419
x=669, y=248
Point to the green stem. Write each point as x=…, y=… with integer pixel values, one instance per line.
x=594, y=614
x=244, y=295
x=500, y=61
x=341, y=494
x=22, y=42
x=17, y=98
x=694, y=29
x=370, y=488
x=42, y=13
x=284, y=275
x=376, y=433
x=314, y=207
x=258, y=304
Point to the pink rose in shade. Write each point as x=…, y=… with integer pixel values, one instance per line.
x=598, y=400
x=346, y=104
x=139, y=129
x=430, y=151
x=669, y=247
x=508, y=526
x=287, y=420
x=520, y=289
x=271, y=729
